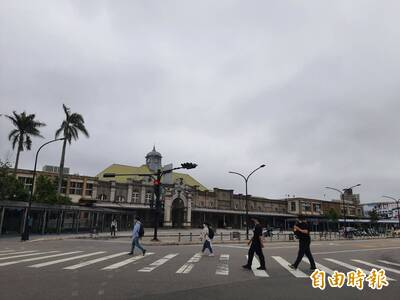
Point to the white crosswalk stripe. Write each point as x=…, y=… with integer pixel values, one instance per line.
x=14, y=253
x=25, y=255
x=158, y=263
x=351, y=267
x=223, y=265
x=5, y=251
x=285, y=264
x=58, y=261
x=93, y=261
x=188, y=266
x=127, y=261
x=377, y=266
x=254, y=265
x=320, y=267
x=389, y=263
x=36, y=258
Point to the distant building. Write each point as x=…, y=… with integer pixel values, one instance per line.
x=385, y=210
x=350, y=204
x=54, y=169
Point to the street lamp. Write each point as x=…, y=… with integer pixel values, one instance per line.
x=157, y=188
x=344, y=207
x=397, y=203
x=246, y=179
x=25, y=233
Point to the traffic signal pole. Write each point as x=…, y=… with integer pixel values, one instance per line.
x=157, y=190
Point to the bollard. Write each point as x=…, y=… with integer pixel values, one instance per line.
x=221, y=236
x=190, y=236
x=179, y=237
x=230, y=236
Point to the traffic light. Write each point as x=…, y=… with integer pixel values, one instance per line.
x=188, y=165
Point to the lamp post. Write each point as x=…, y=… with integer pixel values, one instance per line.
x=25, y=233
x=344, y=206
x=157, y=176
x=397, y=204
x=246, y=179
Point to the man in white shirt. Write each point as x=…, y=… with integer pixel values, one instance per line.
x=136, y=236
x=205, y=235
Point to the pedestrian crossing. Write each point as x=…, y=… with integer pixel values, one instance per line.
x=183, y=264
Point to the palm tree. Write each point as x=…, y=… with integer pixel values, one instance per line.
x=26, y=127
x=70, y=128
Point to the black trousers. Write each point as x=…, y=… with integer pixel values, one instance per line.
x=256, y=248
x=304, y=248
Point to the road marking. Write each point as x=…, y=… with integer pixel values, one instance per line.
x=64, y=260
x=5, y=251
x=126, y=261
x=37, y=258
x=356, y=250
x=320, y=267
x=389, y=263
x=223, y=265
x=22, y=252
x=285, y=264
x=351, y=267
x=377, y=266
x=254, y=265
x=188, y=266
x=93, y=261
x=158, y=263
x=24, y=255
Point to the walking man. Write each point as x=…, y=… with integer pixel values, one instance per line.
x=302, y=231
x=137, y=234
x=256, y=246
x=207, y=234
x=113, y=227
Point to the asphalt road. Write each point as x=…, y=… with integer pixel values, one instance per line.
x=72, y=269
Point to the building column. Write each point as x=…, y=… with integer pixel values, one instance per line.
x=61, y=221
x=3, y=209
x=94, y=191
x=84, y=187
x=130, y=189
x=143, y=194
x=44, y=222
x=112, y=194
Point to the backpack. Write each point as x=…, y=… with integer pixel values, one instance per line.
x=210, y=233
x=141, y=231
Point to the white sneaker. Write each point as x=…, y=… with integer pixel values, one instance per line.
x=211, y=254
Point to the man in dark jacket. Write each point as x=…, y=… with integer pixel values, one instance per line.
x=256, y=246
x=302, y=231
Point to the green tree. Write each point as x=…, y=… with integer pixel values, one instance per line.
x=69, y=129
x=25, y=127
x=373, y=215
x=46, y=192
x=332, y=215
x=10, y=187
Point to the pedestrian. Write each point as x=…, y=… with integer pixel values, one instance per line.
x=137, y=234
x=114, y=227
x=206, y=235
x=256, y=245
x=302, y=232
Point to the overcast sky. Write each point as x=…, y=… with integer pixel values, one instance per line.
x=310, y=88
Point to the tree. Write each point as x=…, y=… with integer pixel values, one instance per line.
x=373, y=215
x=70, y=128
x=10, y=187
x=46, y=192
x=26, y=127
x=332, y=215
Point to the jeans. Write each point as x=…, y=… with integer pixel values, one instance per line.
x=207, y=245
x=136, y=243
x=304, y=248
x=256, y=247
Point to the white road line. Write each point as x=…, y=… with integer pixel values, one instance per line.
x=188, y=266
x=24, y=255
x=389, y=263
x=356, y=250
x=126, y=261
x=284, y=263
x=49, y=263
x=223, y=265
x=351, y=267
x=93, y=261
x=377, y=266
x=158, y=263
x=5, y=251
x=320, y=267
x=13, y=253
x=254, y=265
x=36, y=258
